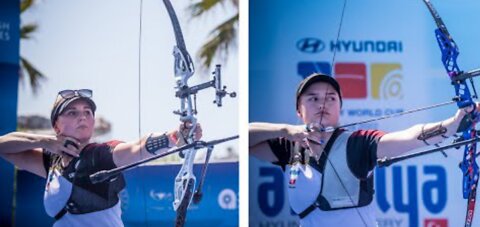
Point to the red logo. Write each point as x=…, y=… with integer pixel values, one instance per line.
x=432, y=222
x=352, y=78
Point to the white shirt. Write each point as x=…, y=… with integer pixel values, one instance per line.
x=57, y=193
x=305, y=193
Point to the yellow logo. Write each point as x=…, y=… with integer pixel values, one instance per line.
x=386, y=81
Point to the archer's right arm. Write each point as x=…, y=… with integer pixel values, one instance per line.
x=260, y=132
x=24, y=150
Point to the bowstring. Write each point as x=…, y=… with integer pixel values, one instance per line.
x=139, y=106
x=321, y=117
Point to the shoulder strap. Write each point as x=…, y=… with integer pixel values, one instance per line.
x=61, y=213
x=320, y=167
x=64, y=210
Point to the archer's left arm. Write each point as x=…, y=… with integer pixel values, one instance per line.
x=152, y=144
x=397, y=143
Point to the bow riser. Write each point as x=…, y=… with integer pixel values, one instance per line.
x=185, y=180
x=469, y=166
x=183, y=67
x=450, y=53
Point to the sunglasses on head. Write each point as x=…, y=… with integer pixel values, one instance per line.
x=66, y=94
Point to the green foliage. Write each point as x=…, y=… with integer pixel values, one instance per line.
x=26, y=32
x=222, y=38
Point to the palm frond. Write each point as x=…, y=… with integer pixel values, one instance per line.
x=34, y=75
x=27, y=30
x=25, y=4
x=199, y=8
x=223, y=36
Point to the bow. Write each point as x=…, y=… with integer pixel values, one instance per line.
x=184, y=69
x=464, y=99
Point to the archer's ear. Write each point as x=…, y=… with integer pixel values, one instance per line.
x=56, y=129
x=299, y=114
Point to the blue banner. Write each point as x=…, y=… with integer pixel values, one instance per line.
x=9, y=32
x=149, y=197
x=9, y=60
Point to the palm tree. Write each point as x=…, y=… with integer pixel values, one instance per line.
x=223, y=37
x=26, y=31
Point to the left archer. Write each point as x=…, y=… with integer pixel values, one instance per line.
x=67, y=158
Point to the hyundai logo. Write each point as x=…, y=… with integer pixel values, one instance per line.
x=310, y=45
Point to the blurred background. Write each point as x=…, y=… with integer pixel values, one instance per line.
x=387, y=60
x=122, y=50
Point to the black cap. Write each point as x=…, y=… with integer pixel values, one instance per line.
x=315, y=78
x=61, y=104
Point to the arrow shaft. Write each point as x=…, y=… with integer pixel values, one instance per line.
x=388, y=161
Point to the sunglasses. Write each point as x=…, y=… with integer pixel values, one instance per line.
x=66, y=94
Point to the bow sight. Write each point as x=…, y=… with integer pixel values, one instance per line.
x=184, y=91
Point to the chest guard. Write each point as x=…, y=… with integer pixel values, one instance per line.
x=349, y=192
x=86, y=197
